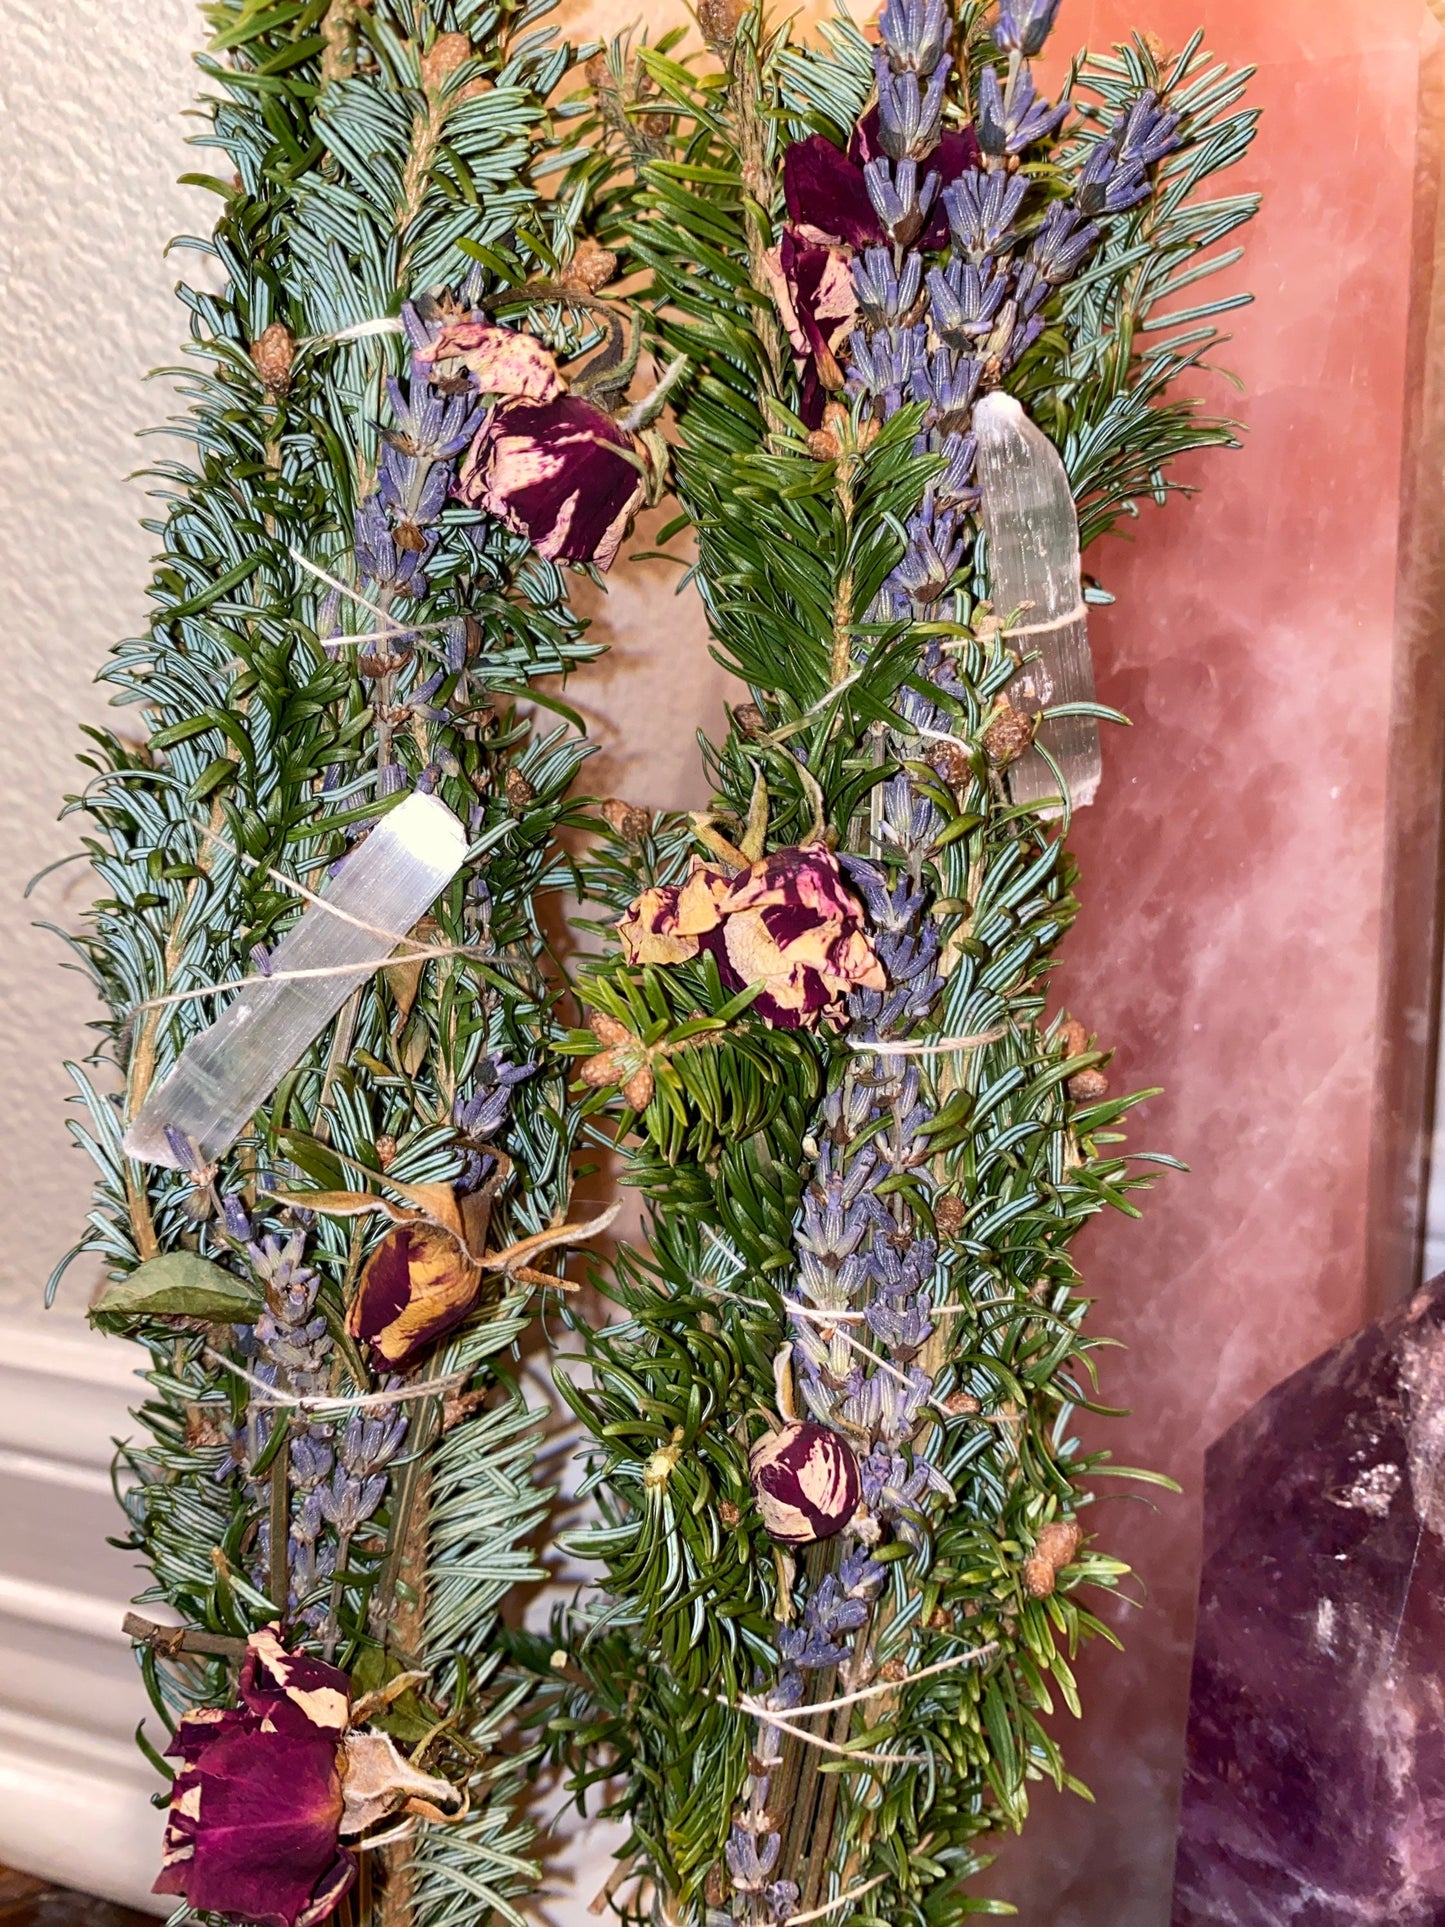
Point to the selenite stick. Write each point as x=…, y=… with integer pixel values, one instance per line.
x=1034, y=584
x=381, y=889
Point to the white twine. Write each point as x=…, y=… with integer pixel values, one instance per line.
x=940, y=1046
x=1079, y=612
x=363, y=1401
x=353, y=595
x=386, y=324
x=756, y=1710
x=882, y=1686
x=297, y=976
x=832, y=1906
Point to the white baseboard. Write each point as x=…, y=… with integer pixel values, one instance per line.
x=74, y=1790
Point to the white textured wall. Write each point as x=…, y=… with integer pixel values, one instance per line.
x=92, y=95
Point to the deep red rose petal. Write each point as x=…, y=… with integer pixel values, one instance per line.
x=385, y=1288
x=826, y=191
x=267, y=1832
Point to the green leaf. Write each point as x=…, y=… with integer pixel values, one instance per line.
x=179, y=1284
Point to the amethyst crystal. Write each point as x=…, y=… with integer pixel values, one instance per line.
x=1315, y=1789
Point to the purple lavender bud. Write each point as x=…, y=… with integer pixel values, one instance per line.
x=931, y=560
x=1147, y=133
x=233, y=1213
x=899, y=201
x=981, y=208
x=261, y=959
x=1023, y=26
x=390, y=779
x=1011, y=119
x=1062, y=243
x=311, y=1460
x=947, y=383
x=886, y=293
x=915, y=33
x=456, y=645
x=910, y=116
x=887, y=359
x=964, y=300
x=428, y=779
x=955, y=488
x=182, y=1149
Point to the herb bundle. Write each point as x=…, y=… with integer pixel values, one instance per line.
x=844, y=1545
x=357, y=588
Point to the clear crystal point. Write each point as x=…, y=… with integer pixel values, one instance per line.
x=1034, y=577
x=381, y=889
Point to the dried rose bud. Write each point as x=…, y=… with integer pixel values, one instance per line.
x=257, y=1808
x=1054, y=1549
x=1073, y=1037
x=717, y=22
x=272, y=354
x=1087, y=1087
x=417, y=1286
x=632, y=824
x=519, y=791
x=806, y=1483
x=592, y=266
x=1008, y=735
x=950, y=761
x=823, y=445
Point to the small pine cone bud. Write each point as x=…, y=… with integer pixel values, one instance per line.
x=748, y=721
x=458, y=1407
x=592, y=266
x=1073, y=1037
x=824, y=446
x=892, y=1671
x=638, y=1089
x=729, y=1513
x=1087, y=1087
x=962, y=1405
x=941, y=1620
x=442, y=58
x=272, y=354
x=607, y=1030
x=519, y=791
x=1156, y=48
x=603, y=1069
x=206, y=1425
x=632, y=824
x=386, y=1150
x=1054, y=1549
x=717, y=22
x=950, y=762
x=949, y=1213
x=1008, y=735
x=597, y=73
x=655, y=127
